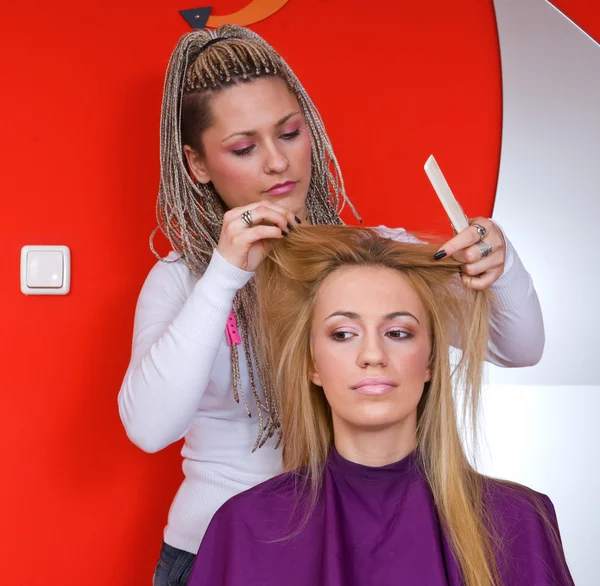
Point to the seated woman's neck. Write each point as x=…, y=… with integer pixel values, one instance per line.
x=375, y=448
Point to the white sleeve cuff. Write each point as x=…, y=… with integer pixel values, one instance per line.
x=514, y=285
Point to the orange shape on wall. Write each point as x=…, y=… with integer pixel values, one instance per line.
x=254, y=12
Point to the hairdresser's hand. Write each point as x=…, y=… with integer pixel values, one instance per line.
x=246, y=246
x=478, y=272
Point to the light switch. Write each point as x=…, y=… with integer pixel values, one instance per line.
x=45, y=270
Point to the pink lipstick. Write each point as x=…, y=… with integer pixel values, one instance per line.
x=282, y=188
x=375, y=386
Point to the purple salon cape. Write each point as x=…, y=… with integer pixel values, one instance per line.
x=370, y=527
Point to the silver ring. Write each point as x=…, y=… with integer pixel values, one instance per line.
x=480, y=230
x=484, y=248
x=247, y=218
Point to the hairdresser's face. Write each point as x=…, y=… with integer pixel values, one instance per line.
x=258, y=147
x=371, y=348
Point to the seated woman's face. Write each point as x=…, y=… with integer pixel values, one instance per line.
x=371, y=346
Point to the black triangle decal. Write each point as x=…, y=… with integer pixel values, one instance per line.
x=196, y=17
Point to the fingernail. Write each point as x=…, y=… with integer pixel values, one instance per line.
x=284, y=232
x=289, y=227
x=298, y=220
x=439, y=255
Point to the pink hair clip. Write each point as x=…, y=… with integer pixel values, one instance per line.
x=231, y=330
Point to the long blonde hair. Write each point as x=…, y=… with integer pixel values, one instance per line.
x=287, y=283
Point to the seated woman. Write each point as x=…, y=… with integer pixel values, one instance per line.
x=379, y=490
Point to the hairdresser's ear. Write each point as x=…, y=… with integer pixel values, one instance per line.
x=196, y=164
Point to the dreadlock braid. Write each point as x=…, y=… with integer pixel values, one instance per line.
x=191, y=214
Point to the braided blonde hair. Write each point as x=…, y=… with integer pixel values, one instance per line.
x=190, y=214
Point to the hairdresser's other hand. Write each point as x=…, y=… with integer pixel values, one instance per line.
x=478, y=272
x=246, y=246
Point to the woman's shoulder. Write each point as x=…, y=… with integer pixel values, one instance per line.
x=169, y=275
x=282, y=490
x=267, y=507
x=253, y=530
x=520, y=508
x=172, y=263
x=527, y=531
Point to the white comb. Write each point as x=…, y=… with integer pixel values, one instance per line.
x=457, y=217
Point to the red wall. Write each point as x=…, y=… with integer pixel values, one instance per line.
x=80, y=101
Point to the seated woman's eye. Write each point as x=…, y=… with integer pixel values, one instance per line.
x=398, y=334
x=341, y=336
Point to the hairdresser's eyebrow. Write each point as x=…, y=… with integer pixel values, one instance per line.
x=352, y=315
x=278, y=124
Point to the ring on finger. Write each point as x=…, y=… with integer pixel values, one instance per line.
x=484, y=248
x=480, y=230
x=247, y=218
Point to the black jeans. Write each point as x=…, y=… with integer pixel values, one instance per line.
x=174, y=567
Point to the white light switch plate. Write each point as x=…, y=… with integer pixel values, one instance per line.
x=45, y=270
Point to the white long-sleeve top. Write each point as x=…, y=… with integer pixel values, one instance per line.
x=179, y=383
